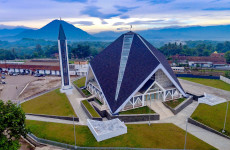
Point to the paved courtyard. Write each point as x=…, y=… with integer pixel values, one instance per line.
x=14, y=85
x=199, y=89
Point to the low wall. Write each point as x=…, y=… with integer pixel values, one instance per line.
x=181, y=106
x=55, y=117
x=197, y=76
x=89, y=114
x=201, y=125
x=226, y=80
x=79, y=90
x=195, y=97
x=129, y=118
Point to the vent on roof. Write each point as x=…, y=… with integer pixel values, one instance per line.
x=127, y=41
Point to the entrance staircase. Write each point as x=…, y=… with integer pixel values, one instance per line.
x=160, y=108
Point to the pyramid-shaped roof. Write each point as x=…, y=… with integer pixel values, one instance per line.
x=124, y=65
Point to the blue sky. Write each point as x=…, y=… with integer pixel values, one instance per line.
x=103, y=15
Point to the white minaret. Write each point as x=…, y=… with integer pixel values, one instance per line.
x=64, y=62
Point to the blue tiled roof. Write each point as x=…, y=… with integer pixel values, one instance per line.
x=163, y=61
x=141, y=63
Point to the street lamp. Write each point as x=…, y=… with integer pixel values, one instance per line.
x=74, y=132
x=223, y=131
x=186, y=134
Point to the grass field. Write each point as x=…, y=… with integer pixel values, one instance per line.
x=80, y=82
x=210, y=82
x=213, y=116
x=139, y=135
x=97, y=101
x=52, y=103
x=86, y=92
x=175, y=103
x=91, y=110
x=140, y=110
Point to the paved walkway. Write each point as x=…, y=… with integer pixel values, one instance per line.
x=38, y=118
x=199, y=89
x=159, y=108
x=209, y=137
x=75, y=98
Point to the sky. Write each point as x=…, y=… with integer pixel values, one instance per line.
x=115, y=15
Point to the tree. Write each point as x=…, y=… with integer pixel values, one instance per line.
x=12, y=125
x=38, y=51
x=81, y=51
x=227, y=56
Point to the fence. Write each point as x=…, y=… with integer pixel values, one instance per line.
x=226, y=80
x=197, y=76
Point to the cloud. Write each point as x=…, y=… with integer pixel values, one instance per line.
x=2, y=26
x=124, y=28
x=103, y=22
x=217, y=9
x=124, y=9
x=93, y=11
x=118, y=23
x=68, y=1
x=138, y=22
x=158, y=1
x=124, y=17
x=84, y=23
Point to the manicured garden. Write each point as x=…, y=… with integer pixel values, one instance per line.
x=213, y=116
x=80, y=82
x=167, y=136
x=210, y=82
x=97, y=101
x=140, y=110
x=86, y=92
x=90, y=108
x=52, y=103
x=175, y=103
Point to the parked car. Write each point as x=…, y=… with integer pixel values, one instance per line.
x=15, y=74
x=3, y=77
x=39, y=75
x=11, y=73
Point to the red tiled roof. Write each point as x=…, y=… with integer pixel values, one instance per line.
x=214, y=60
x=31, y=67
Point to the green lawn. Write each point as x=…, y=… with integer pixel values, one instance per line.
x=86, y=92
x=210, y=82
x=140, y=110
x=213, y=116
x=175, y=103
x=52, y=103
x=139, y=135
x=97, y=101
x=80, y=82
x=91, y=110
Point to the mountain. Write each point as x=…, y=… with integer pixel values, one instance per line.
x=220, y=32
x=50, y=32
x=11, y=32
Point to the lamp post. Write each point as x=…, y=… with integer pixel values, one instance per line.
x=223, y=131
x=149, y=109
x=185, y=140
x=74, y=132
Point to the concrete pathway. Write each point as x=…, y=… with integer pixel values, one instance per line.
x=159, y=108
x=75, y=98
x=209, y=137
x=38, y=118
x=199, y=89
